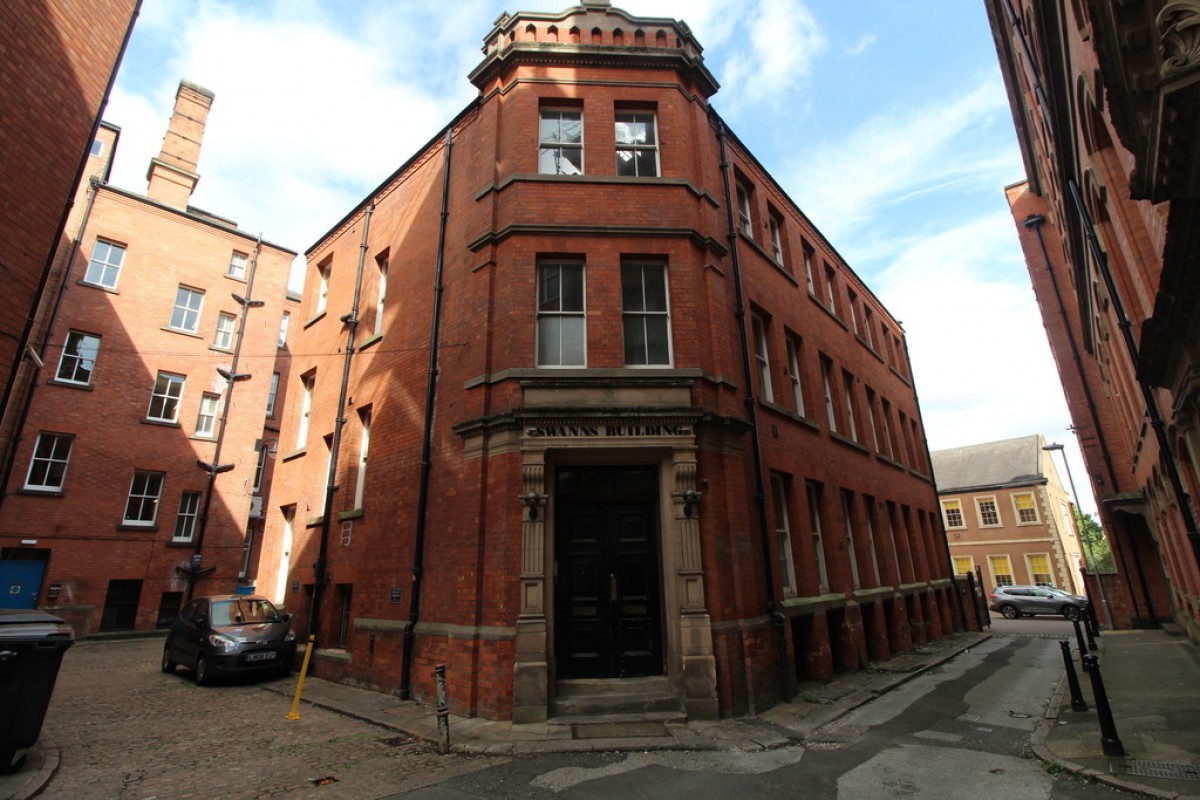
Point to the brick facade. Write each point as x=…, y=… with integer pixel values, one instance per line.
x=489, y=518
x=168, y=306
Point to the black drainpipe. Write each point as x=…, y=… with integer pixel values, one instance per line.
x=751, y=402
x=1034, y=223
x=321, y=568
x=414, y=602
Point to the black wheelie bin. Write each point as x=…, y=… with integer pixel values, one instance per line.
x=32, y=644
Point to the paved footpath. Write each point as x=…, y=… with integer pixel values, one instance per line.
x=125, y=730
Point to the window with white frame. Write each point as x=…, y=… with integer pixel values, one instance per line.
x=808, y=268
x=963, y=565
x=952, y=514
x=645, y=318
x=185, y=316
x=104, y=269
x=260, y=466
x=272, y=394
x=165, y=399
x=226, y=327
x=827, y=387
x=831, y=289
x=637, y=144
x=891, y=528
x=852, y=297
x=871, y=411
x=848, y=522
x=783, y=533
x=185, y=519
x=206, y=417
x=762, y=358
x=381, y=266
x=97, y=148
x=869, y=325
x=284, y=319
x=869, y=516
x=78, y=358
x=237, y=265
x=813, y=492
x=885, y=424
x=775, y=224
x=989, y=514
x=307, y=383
x=848, y=394
x=794, y=350
x=745, y=217
x=364, y=440
x=322, y=288
x=48, y=467
x=561, y=321
x=141, y=508
x=1002, y=574
x=1039, y=569
x=1025, y=508
x=560, y=142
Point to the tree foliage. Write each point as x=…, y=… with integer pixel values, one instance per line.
x=1095, y=544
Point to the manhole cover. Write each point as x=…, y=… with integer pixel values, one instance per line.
x=1156, y=769
x=970, y=717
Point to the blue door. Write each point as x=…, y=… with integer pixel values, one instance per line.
x=20, y=582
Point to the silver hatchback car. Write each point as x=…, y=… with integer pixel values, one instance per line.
x=1026, y=601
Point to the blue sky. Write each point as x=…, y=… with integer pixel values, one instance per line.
x=885, y=121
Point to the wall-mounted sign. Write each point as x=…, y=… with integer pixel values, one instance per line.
x=606, y=431
x=395, y=596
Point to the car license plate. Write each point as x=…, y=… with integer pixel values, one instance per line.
x=267, y=656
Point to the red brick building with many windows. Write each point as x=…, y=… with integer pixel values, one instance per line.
x=631, y=419
x=1104, y=97
x=140, y=463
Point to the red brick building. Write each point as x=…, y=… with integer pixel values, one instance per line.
x=631, y=419
x=140, y=460
x=1104, y=97
x=1008, y=516
x=58, y=63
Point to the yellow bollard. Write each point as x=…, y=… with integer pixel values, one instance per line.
x=295, y=712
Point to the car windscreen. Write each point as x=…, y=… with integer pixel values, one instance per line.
x=243, y=612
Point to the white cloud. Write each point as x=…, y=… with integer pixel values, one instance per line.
x=864, y=43
x=897, y=155
x=783, y=40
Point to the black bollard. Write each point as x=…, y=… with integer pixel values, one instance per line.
x=1077, y=701
x=1109, y=741
x=1093, y=621
x=1083, y=649
x=443, y=709
x=1089, y=630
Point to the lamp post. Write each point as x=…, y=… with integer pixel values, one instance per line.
x=1087, y=542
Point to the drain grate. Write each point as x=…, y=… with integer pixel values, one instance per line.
x=1156, y=769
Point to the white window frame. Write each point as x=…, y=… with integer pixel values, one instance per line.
x=831, y=289
x=364, y=441
x=104, y=267
x=272, y=394
x=186, y=517
x=979, y=501
x=553, y=145
x=956, y=561
x=148, y=492
x=653, y=313
x=851, y=418
x=238, y=262
x=1049, y=573
x=794, y=347
x=744, y=209
x=49, y=460
x=809, y=254
x=322, y=288
x=284, y=319
x=962, y=519
x=762, y=358
x=75, y=362
x=381, y=294
x=1017, y=510
x=308, y=383
x=775, y=225
x=992, y=560
x=783, y=533
x=848, y=521
x=634, y=120
x=167, y=395
x=869, y=516
x=830, y=410
x=552, y=317
x=260, y=466
x=813, y=493
x=185, y=314
x=206, y=415
x=225, y=330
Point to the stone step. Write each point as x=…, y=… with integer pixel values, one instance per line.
x=605, y=698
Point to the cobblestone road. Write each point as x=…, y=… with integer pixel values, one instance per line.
x=125, y=730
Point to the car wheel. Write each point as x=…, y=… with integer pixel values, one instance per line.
x=201, y=673
x=168, y=665
x=1010, y=612
x=1070, y=612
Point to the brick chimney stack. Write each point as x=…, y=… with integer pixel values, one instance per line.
x=172, y=175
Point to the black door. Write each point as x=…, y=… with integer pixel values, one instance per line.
x=607, y=589
x=121, y=605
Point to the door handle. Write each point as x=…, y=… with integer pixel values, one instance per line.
x=612, y=587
